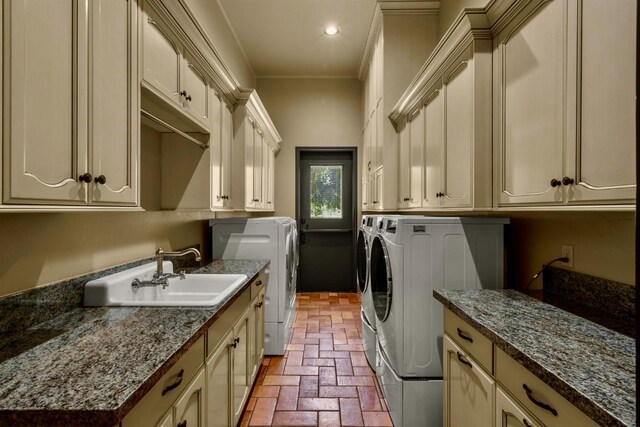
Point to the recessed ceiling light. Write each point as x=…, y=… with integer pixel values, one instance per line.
x=331, y=30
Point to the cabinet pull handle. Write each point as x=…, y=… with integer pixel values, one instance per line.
x=464, y=336
x=567, y=181
x=555, y=182
x=100, y=179
x=237, y=340
x=183, y=424
x=526, y=423
x=85, y=177
x=537, y=402
x=259, y=283
x=464, y=361
x=168, y=388
x=234, y=344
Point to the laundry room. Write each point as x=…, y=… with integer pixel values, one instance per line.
x=318, y=213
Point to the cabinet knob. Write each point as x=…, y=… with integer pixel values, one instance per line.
x=183, y=424
x=567, y=181
x=183, y=93
x=100, y=179
x=85, y=177
x=555, y=182
x=188, y=97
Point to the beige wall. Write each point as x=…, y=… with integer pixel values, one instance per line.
x=214, y=23
x=603, y=244
x=309, y=113
x=41, y=248
x=449, y=10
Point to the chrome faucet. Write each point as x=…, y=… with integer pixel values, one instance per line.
x=160, y=278
x=160, y=254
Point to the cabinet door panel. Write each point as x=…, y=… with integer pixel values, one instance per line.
x=433, y=148
x=227, y=147
x=529, y=59
x=219, y=386
x=241, y=366
x=190, y=407
x=215, y=148
x=45, y=93
x=366, y=148
x=378, y=143
x=404, y=169
x=258, y=148
x=114, y=106
x=195, y=85
x=469, y=394
x=604, y=163
x=161, y=56
x=458, y=134
x=416, y=141
x=509, y=414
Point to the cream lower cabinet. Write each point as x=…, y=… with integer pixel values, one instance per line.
x=74, y=142
x=257, y=320
x=219, y=384
x=511, y=414
x=189, y=409
x=483, y=386
x=571, y=65
x=469, y=392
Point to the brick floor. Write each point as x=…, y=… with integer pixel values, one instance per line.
x=323, y=379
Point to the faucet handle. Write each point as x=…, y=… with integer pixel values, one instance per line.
x=182, y=275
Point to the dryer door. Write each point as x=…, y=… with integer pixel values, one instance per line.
x=362, y=253
x=381, y=279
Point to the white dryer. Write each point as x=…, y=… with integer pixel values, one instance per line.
x=275, y=239
x=410, y=257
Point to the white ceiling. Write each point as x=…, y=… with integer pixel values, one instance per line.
x=284, y=38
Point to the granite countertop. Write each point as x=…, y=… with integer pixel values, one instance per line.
x=90, y=366
x=591, y=366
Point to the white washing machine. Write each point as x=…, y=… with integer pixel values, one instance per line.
x=367, y=313
x=410, y=257
x=275, y=239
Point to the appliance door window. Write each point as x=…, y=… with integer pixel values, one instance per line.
x=381, y=280
x=361, y=261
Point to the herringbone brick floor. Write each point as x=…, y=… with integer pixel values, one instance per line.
x=323, y=379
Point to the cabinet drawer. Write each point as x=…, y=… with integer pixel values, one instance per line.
x=258, y=285
x=225, y=323
x=162, y=396
x=515, y=377
x=473, y=342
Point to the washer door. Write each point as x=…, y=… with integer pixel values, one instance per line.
x=381, y=280
x=362, y=253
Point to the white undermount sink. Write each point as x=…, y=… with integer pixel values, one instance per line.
x=193, y=290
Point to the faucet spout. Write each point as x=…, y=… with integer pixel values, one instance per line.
x=160, y=255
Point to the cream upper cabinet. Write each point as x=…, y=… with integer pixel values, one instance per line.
x=555, y=61
x=530, y=82
x=161, y=58
x=458, y=99
x=398, y=45
x=433, y=148
x=76, y=141
x=404, y=171
x=510, y=414
x=175, y=88
x=469, y=392
x=255, y=139
x=114, y=106
x=602, y=164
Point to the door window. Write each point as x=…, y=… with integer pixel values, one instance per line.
x=381, y=283
x=325, y=201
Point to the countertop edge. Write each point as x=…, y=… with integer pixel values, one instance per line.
x=594, y=411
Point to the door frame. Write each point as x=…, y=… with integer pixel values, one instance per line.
x=354, y=195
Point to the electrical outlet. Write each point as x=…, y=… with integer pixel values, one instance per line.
x=567, y=251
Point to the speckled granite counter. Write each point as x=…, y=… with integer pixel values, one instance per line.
x=591, y=366
x=90, y=366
